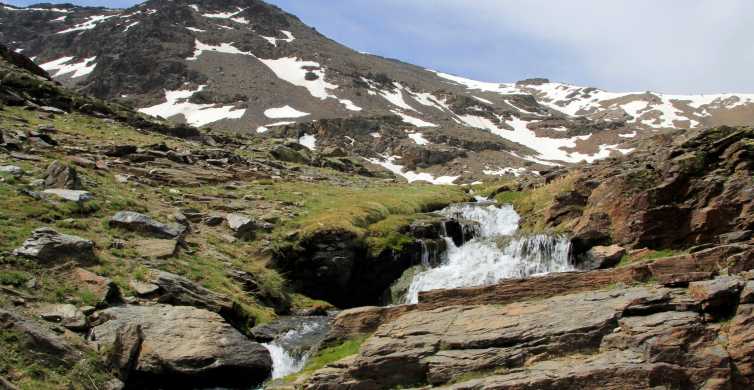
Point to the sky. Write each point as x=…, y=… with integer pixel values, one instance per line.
x=671, y=46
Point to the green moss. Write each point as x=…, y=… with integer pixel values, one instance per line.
x=627, y=260
x=509, y=197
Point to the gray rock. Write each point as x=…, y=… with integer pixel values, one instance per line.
x=66, y=315
x=184, y=347
x=733, y=237
x=747, y=294
x=46, y=245
x=12, y=170
x=143, y=288
x=141, y=223
x=177, y=290
x=67, y=195
x=717, y=294
x=156, y=248
x=243, y=227
x=60, y=175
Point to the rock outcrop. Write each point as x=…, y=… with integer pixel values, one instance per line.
x=179, y=347
x=48, y=246
x=141, y=223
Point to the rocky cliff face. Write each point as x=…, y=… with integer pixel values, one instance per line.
x=247, y=66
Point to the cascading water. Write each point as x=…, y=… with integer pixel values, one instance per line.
x=494, y=254
x=291, y=350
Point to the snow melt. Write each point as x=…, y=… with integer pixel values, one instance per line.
x=62, y=66
x=284, y=112
x=91, y=23
x=413, y=120
x=196, y=114
x=226, y=48
x=411, y=176
x=418, y=138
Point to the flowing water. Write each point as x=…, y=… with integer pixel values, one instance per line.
x=291, y=349
x=494, y=254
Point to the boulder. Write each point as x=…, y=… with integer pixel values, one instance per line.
x=60, y=175
x=242, y=226
x=181, y=347
x=48, y=246
x=141, y=223
x=67, y=315
x=156, y=248
x=77, y=196
x=601, y=257
x=102, y=288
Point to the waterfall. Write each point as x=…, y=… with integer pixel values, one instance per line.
x=291, y=350
x=494, y=254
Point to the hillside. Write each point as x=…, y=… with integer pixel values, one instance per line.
x=249, y=67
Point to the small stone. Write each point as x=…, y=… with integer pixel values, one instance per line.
x=143, y=288
x=214, y=220
x=121, y=179
x=117, y=244
x=66, y=315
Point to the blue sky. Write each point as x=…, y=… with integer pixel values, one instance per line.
x=674, y=46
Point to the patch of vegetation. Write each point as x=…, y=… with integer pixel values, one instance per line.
x=26, y=370
x=327, y=356
x=650, y=256
x=533, y=204
x=14, y=278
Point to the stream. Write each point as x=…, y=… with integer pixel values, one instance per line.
x=496, y=252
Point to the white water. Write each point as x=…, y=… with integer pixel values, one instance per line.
x=285, y=362
x=483, y=261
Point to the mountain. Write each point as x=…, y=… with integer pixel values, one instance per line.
x=249, y=67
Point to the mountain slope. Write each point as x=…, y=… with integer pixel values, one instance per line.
x=247, y=66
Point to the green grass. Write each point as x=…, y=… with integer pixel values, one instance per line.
x=14, y=278
x=327, y=356
x=626, y=260
x=26, y=370
x=533, y=204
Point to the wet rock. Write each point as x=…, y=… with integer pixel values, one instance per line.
x=182, y=347
x=141, y=223
x=66, y=315
x=101, y=288
x=62, y=176
x=48, y=246
x=76, y=196
x=158, y=249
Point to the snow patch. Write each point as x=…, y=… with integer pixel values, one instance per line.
x=226, y=48
x=411, y=176
x=91, y=23
x=505, y=171
x=128, y=27
x=62, y=66
x=284, y=112
x=223, y=15
x=196, y=114
x=412, y=120
x=294, y=70
x=309, y=141
x=194, y=29
x=418, y=138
